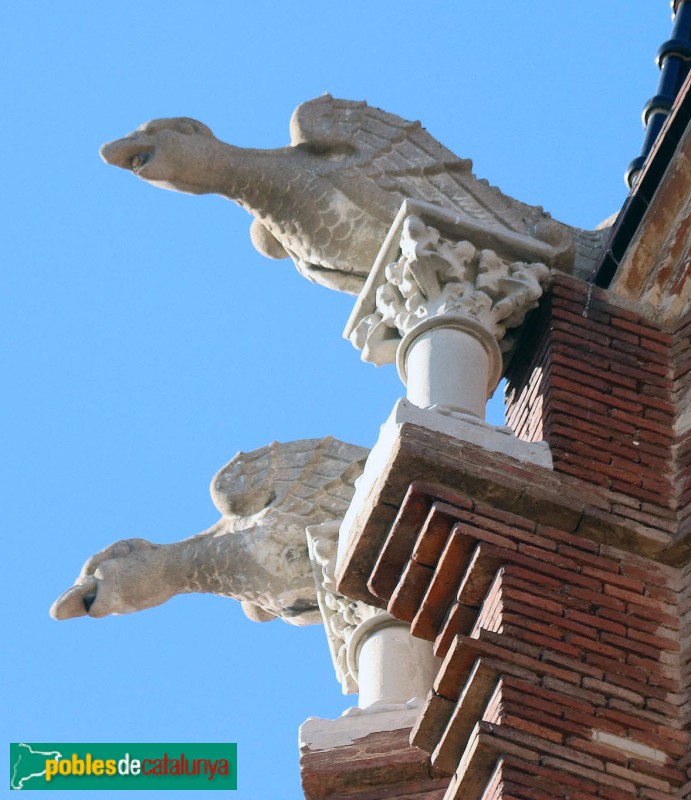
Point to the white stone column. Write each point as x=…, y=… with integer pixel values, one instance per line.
x=392, y=666
x=449, y=361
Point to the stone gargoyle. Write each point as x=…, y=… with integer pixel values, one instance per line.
x=328, y=200
x=256, y=553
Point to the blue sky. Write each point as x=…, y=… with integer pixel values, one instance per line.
x=144, y=341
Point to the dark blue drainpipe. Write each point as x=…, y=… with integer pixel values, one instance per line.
x=673, y=59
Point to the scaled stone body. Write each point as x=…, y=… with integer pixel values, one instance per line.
x=256, y=553
x=328, y=199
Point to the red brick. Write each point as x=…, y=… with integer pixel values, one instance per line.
x=459, y=619
x=646, y=425
x=568, y=766
x=653, y=354
x=406, y=598
x=612, y=793
x=574, y=404
x=556, y=628
x=595, y=366
x=641, y=616
x=593, y=321
x=581, y=337
x=612, y=690
x=641, y=494
x=629, y=645
x=637, y=600
x=660, y=592
x=591, y=721
x=597, y=749
x=598, y=598
x=669, y=745
x=619, y=704
x=550, y=734
x=600, y=449
x=594, y=380
x=670, y=710
x=548, y=556
x=542, y=699
x=624, y=720
x=521, y=772
x=638, y=778
x=476, y=532
x=647, y=400
x=589, y=645
x=596, y=622
x=537, y=600
x=627, y=474
x=434, y=534
x=652, y=794
x=508, y=518
x=516, y=572
x=580, y=472
x=568, y=538
x=570, y=662
x=442, y=588
x=550, y=644
x=644, y=330
x=619, y=669
x=632, y=584
x=659, y=642
x=651, y=520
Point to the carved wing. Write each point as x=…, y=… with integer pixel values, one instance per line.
x=311, y=478
x=402, y=160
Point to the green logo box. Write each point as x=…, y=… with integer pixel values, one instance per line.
x=122, y=766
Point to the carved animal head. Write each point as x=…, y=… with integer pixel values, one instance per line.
x=256, y=553
x=171, y=153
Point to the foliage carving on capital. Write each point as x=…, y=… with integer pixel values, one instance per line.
x=435, y=276
x=341, y=615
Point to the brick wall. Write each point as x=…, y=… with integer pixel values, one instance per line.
x=594, y=380
x=563, y=658
x=681, y=395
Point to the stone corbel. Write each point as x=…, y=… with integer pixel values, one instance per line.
x=441, y=301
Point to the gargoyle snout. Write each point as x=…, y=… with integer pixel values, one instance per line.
x=128, y=153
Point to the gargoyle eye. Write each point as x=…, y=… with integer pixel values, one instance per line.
x=138, y=161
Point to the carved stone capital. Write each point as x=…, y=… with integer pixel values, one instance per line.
x=435, y=271
x=344, y=619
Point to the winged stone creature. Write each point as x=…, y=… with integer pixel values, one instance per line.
x=329, y=198
x=256, y=553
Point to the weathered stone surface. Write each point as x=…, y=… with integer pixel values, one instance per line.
x=257, y=552
x=329, y=198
